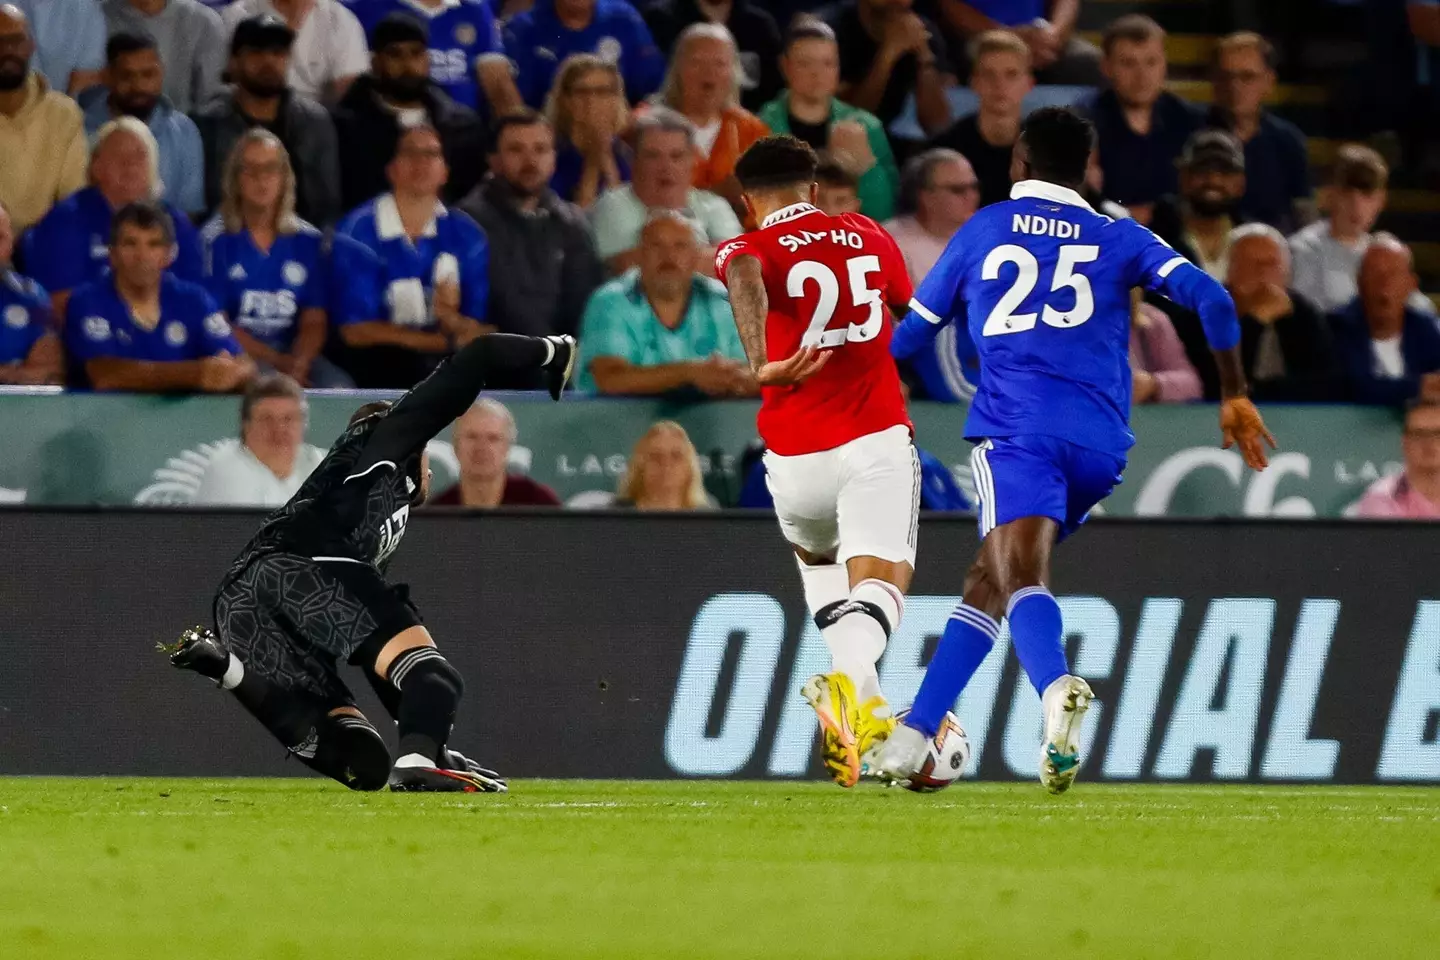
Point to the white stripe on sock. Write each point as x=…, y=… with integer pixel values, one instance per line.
x=234, y=673
x=1024, y=592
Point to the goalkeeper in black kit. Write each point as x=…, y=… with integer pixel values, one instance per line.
x=309, y=590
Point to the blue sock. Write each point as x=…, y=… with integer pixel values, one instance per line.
x=1038, y=633
x=967, y=639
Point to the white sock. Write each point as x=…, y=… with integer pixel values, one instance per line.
x=857, y=640
x=234, y=673
x=824, y=584
x=414, y=760
x=828, y=583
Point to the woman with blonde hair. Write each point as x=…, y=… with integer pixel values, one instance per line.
x=264, y=265
x=664, y=472
x=588, y=112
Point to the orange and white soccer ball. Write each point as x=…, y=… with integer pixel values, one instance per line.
x=946, y=755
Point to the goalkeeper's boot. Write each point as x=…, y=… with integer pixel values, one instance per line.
x=834, y=699
x=431, y=779
x=900, y=755
x=1064, y=703
x=562, y=367
x=198, y=649
x=455, y=760
x=874, y=723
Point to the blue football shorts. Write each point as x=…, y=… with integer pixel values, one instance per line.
x=1035, y=476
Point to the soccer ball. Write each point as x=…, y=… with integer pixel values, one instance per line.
x=945, y=757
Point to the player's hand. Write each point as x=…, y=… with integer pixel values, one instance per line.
x=801, y=366
x=850, y=145
x=1241, y=423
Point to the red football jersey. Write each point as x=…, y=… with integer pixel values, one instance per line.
x=829, y=280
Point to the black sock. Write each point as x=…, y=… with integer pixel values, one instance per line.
x=386, y=692
x=290, y=716
x=430, y=691
x=506, y=352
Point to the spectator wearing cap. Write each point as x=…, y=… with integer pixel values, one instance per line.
x=1198, y=222
x=69, y=42
x=538, y=40
x=1141, y=127
x=328, y=50
x=467, y=56
x=267, y=466
x=1000, y=76
x=837, y=188
x=1414, y=492
x=396, y=94
x=42, y=132
x=809, y=109
x=1327, y=253
x=887, y=52
x=756, y=33
x=261, y=50
x=189, y=36
x=414, y=274
x=133, y=84
x=664, y=169
x=543, y=265
x=1389, y=353
x=1277, y=165
x=71, y=245
x=587, y=110
x=1047, y=28
x=29, y=349
x=484, y=436
x=939, y=193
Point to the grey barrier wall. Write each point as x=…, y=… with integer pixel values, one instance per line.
x=613, y=645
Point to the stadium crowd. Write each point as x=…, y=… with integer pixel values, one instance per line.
x=195, y=196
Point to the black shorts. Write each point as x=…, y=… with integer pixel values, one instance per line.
x=293, y=619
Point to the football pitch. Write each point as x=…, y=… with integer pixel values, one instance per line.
x=156, y=868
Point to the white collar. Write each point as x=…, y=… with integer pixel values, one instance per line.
x=788, y=213
x=387, y=219
x=426, y=11
x=1044, y=190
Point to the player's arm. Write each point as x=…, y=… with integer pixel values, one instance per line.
x=751, y=305
x=935, y=304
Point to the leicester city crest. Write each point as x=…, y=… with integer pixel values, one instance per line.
x=16, y=316
x=294, y=272
x=175, y=333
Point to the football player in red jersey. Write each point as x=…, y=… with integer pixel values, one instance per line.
x=813, y=297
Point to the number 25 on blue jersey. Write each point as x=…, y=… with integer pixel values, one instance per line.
x=1003, y=319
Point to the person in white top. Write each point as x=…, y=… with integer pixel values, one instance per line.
x=329, y=50
x=939, y=193
x=272, y=459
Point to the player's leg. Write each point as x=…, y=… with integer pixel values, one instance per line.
x=448, y=758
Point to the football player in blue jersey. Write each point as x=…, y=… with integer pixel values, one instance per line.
x=1042, y=282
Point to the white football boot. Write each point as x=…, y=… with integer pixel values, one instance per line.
x=1064, y=703
x=900, y=756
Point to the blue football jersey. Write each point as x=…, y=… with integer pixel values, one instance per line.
x=1043, y=283
x=537, y=43
x=24, y=316
x=461, y=33
x=264, y=293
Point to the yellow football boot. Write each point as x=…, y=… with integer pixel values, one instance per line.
x=834, y=699
x=874, y=722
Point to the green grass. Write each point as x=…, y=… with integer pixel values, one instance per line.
x=303, y=869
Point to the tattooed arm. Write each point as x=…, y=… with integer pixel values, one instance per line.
x=751, y=305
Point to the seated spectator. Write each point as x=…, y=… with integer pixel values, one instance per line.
x=484, y=435
x=543, y=266
x=664, y=168
x=329, y=44
x=939, y=193
x=703, y=86
x=416, y=274
x=809, y=109
x=1198, y=222
x=1387, y=352
x=265, y=266
x=42, y=132
x=141, y=328
x=1277, y=165
x=662, y=328
x=69, y=42
x=1159, y=369
x=133, y=79
x=1414, y=493
x=1001, y=78
x=71, y=245
x=29, y=349
x=587, y=110
x=664, y=473
x=757, y=36
x=888, y=52
x=1141, y=127
x=191, y=40
x=467, y=57
x=260, y=53
x=838, y=190
x=540, y=39
x=272, y=459
x=1046, y=27
x=396, y=94
x=1327, y=253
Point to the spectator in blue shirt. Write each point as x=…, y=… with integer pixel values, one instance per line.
x=134, y=78
x=1046, y=26
x=1388, y=352
x=141, y=328
x=69, y=42
x=265, y=266
x=29, y=349
x=587, y=110
x=71, y=244
x=1141, y=127
x=539, y=40
x=467, y=56
x=415, y=275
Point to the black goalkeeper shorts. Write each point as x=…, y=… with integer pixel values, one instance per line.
x=292, y=619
